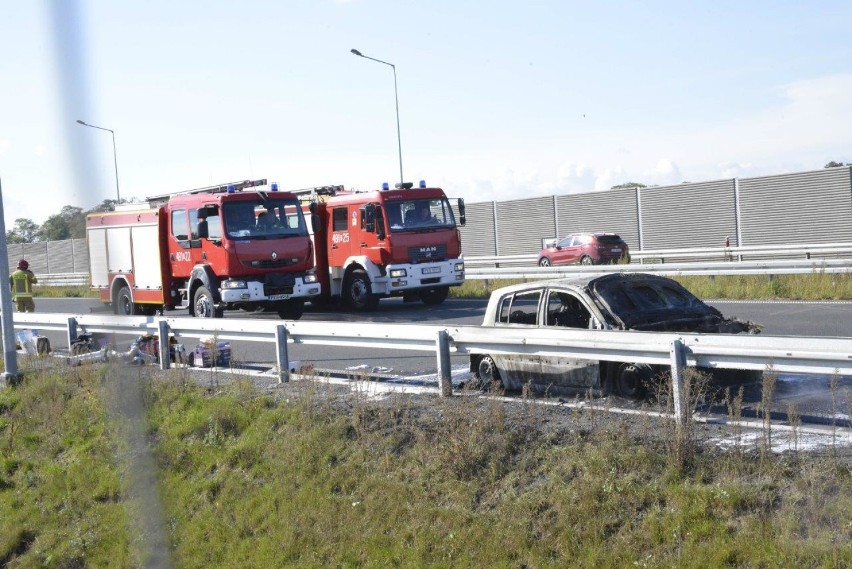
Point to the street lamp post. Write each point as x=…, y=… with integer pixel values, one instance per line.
x=114, y=156
x=396, y=98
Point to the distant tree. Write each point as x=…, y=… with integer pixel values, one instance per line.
x=106, y=205
x=834, y=164
x=24, y=231
x=70, y=223
x=628, y=185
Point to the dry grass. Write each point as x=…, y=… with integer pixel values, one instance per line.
x=307, y=476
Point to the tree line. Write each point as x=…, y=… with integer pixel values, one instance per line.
x=70, y=223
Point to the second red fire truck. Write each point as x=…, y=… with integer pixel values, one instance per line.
x=390, y=242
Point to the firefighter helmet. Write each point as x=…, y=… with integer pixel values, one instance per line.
x=23, y=265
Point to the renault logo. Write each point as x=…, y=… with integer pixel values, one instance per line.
x=274, y=255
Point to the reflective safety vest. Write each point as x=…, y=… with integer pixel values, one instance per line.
x=21, y=287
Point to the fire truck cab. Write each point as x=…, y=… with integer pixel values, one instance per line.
x=234, y=246
x=392, y=242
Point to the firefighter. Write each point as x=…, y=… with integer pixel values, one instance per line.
x=22, y=282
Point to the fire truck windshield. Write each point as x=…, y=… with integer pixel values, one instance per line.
x=416, y=215
x=264, y=219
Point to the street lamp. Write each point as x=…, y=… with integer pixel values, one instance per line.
x=396, y=97
x=114, y=156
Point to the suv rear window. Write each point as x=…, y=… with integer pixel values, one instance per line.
x=609, y=239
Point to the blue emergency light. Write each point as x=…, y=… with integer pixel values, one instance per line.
x=274, y=186
x=385, y=185
x=231, y=188
x=422, y=183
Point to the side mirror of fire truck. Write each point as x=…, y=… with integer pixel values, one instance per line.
x=370, y=218
x=203, y=230
x=461, y=212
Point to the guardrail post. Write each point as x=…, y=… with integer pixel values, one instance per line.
x=165, y=355
x=445, y=375
x=281, y=353
x=678, y=359
x=72, y=331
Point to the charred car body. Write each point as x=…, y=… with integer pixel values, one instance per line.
x=597, y=302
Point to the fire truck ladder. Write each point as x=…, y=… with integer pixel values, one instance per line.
x=218, y=189
x=313, y=194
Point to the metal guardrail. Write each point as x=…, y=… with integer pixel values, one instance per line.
x=806, y=252
x=63, y=279
x=783, y=354
x=808, y=259
x=778, y=267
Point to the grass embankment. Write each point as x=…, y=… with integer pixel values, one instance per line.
x=64, y=292
x=814, y=286
x=316, y=479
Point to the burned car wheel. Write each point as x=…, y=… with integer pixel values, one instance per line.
x=632, y=380
x=544, y=262
x=487, y=374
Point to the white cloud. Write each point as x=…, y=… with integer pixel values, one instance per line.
x=665, y=173
x=510, y=184
x=574, y=178
x=811, y=126
x=4, y=146
x=39, y=150
x=733, y=169
x=611, y=177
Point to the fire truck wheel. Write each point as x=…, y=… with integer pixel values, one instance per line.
x=291, y=310
x=203, y=304
x=124, y=303
x=359, y=293
x=434, y=296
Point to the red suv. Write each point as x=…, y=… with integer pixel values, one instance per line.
x=586, y=249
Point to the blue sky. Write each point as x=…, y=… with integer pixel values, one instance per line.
x=497, y=100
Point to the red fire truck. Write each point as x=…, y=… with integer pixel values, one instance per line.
x=235, y=246
x=392, y=242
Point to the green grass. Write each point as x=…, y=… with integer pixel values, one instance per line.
x=64, y=292
x=314, y=479
x=814, y=286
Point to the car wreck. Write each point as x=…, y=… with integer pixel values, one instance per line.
x=616, y=301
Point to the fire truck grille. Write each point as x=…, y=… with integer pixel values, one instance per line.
x=427, y=253
x=280, y=283
x=270, y=264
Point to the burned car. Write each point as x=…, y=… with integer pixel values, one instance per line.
x=597, y=302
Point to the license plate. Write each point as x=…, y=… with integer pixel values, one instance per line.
x=616, y=250
x=278, y=297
